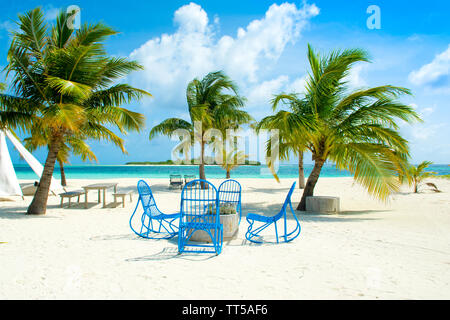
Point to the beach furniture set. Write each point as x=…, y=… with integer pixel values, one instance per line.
x=206, y=217
x=101, y=190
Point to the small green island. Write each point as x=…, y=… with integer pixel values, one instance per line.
x=192, y=162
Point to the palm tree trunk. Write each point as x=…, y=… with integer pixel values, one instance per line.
x=311, y=183
x=202, y=165
x=63, y=174
x=228, y=174
x=39, y=203
x=301, y=171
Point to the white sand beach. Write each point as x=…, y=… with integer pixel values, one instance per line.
x=371, y=250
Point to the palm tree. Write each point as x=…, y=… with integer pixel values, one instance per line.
x=356, y=130
x=13, y=114
x=71, y=144
x=415, y=175
x=214, y=102
x=290, y=125
x=230, y=160
x=66, y=81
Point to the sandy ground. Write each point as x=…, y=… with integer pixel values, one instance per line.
x=372, y=250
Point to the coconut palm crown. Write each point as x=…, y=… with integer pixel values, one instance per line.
x=213, y=102
x=355, y=129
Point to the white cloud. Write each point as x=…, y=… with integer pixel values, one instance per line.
x=7, y=26
x=193, y=50
x=435, y=74
x=51, y=12
x=191, y=18
x=262, y=93
x=355, y=79
x=427, y=132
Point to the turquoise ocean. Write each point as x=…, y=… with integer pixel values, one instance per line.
x=23, y=171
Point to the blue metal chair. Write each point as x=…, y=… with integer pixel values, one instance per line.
x=230, y=192
x=199, y=210
x=251, y=234
x=153, y=223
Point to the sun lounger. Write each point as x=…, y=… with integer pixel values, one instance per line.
x=176, y=181
x=188, y=178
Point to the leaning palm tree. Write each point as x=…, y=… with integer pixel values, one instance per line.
x=415, y=175
x=290, y=125
x=356, y=129
x=213, y=102
x=66, y=80
x=75, y=145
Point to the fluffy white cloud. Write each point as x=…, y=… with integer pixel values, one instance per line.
x=194, y=49
x=435, y=74
x=263, y=92
x=355, y=79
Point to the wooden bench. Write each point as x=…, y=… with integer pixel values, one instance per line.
x=70, y=195
x=122, y=195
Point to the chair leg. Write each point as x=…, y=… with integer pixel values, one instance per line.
x=276, y=231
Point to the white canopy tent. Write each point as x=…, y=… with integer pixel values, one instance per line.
x=9, y=184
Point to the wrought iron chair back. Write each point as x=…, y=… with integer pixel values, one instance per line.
x=230, y=192
x=253, y=234
x=153, y=224
x=199, y=210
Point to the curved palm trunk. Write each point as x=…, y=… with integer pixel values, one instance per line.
x=202, y=165
x=301, y=172
x=39, y=203
x=63, y=174
x=310, y=184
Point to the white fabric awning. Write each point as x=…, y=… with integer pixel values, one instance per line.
x=7, y=170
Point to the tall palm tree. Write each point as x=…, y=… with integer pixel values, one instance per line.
x=290, y=125
x=356, y=130
x=214, y=102
x=66, y=80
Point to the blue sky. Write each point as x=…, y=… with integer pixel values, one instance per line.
x=262, y=46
